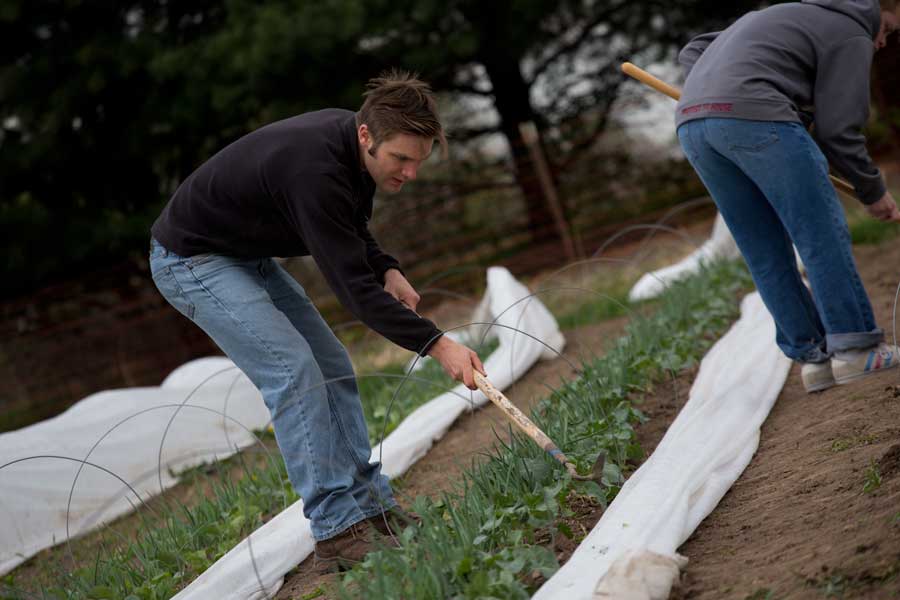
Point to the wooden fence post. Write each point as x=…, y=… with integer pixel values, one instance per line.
x=530, y=137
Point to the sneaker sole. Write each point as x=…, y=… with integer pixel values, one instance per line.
x=821, y=387
x=855, y=376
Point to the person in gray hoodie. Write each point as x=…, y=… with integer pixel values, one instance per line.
x=751, y=92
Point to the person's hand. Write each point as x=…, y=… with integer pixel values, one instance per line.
x=885, y=209
x=397, y=286
x=458, y=361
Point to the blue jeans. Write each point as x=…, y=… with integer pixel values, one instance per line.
x=770, y=182
x=262, y=319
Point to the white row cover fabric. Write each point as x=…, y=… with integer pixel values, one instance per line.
x=255, y=568
x=121, y=434
x=703, y=453
x=719, y=245
x=640, y=575
x=139, y=438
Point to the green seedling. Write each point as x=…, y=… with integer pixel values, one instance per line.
x=872, y=478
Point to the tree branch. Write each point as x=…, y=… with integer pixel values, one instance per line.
x=575, y=43
x=466, y=88
x=469, y=133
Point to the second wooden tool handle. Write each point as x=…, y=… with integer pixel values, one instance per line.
x=657, y=84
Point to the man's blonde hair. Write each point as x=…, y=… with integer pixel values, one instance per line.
x=399, y=102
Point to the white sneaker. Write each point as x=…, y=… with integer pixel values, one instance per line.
x=853, y=365
x=817, y=376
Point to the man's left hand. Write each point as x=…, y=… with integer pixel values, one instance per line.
x=397, y=286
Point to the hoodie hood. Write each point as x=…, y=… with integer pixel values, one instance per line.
x=865, y=12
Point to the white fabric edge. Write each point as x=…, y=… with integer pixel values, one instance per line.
x=720, y=244
x=704, y=451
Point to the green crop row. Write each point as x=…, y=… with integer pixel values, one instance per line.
x=490, y=537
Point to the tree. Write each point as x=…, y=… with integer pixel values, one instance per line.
x=106, y=106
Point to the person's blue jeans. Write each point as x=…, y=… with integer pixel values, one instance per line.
x=262, y=319
x=770, y=183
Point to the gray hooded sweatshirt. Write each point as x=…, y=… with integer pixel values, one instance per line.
x=780, y=63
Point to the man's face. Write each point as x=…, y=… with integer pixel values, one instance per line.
x=890, y=22
x=395, y=160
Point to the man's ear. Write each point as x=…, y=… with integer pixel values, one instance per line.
x=366, y=140
x=364, y=135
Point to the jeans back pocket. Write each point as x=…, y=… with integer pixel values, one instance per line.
x=751, y=136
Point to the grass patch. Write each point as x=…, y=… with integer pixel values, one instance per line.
x=870, y=231
x=487, y=538
x=611, y=304
x=864, y=229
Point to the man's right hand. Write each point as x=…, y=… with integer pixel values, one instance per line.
x=458, y=361
x=885, y=209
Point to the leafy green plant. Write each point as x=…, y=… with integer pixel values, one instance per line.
x=834, y=586
x=382, y=401
x=872, y=478
x=596, y=309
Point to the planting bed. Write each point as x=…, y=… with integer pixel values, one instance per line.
x=815, y=515
x=510, y=519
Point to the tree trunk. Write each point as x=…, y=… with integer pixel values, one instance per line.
x=512, y=101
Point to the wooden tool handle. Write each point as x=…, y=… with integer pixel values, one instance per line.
x=648, y=79
x=523, y=422
x=673, y=92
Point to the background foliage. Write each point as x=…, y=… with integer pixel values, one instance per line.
x=106, y=106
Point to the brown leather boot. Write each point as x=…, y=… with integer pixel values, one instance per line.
x=394, y=520
x=348, y=547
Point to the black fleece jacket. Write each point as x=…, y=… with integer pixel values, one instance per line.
x=294, y=188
